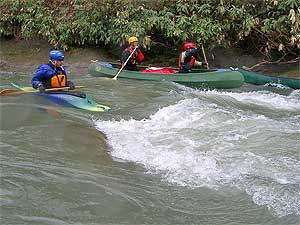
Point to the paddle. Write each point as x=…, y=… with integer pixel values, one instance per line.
x=204, y=55
x=7, y=92
x=115, y=77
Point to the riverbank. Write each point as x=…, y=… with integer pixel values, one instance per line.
x=26, y=55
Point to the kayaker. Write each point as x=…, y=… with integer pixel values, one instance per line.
x=189, y=57
x=136, y=57
x=53, y=74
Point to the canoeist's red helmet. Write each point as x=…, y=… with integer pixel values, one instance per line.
x=189, y=45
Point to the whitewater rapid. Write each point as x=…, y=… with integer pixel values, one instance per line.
x=217, y=139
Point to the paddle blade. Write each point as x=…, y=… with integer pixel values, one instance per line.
x=7, y=92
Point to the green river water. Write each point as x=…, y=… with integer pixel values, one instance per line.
x=165, y=154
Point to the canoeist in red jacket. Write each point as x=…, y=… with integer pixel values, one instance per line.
x=136, y=57
x=189, y=58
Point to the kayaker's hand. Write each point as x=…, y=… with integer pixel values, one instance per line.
x=41, y=87
x=71, y=85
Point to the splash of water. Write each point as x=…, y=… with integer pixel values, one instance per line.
x=216, y=139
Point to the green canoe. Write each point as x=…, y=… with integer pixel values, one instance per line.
x=256, y=78
x=223, y=78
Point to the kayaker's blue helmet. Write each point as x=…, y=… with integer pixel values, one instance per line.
x=56, y=55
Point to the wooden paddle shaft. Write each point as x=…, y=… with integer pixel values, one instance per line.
x=204, y=55
x=61, y=88
x=115, y=77
x=6, y=92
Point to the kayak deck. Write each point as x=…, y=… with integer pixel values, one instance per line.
x=76, y=99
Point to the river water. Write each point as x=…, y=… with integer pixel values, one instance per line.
x=165, y=154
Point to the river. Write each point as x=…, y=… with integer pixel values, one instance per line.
x=165, y=154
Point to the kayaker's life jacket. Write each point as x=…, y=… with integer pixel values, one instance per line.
x=50, y=76
x=59, y=80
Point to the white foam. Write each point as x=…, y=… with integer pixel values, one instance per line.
x=199, y=143
x=263, y=98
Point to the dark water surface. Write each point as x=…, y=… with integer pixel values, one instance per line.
x=165, y=154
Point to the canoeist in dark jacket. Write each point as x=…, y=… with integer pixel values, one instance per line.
x=189, y=58
x=53, y=74
x=136, y=57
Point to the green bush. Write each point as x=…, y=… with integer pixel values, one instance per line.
x=265, y=25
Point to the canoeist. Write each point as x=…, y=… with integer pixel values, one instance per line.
x=53, y=74
x=136, y=57
x=189, y=58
